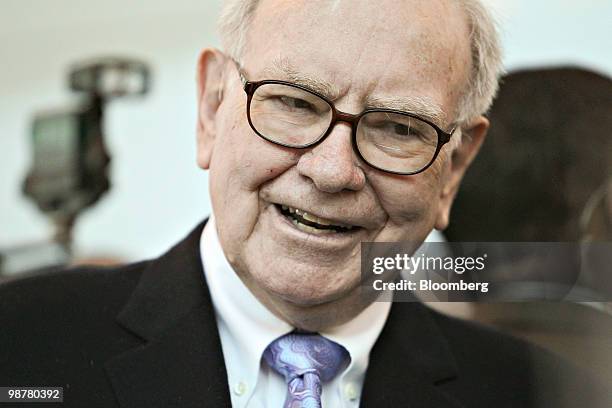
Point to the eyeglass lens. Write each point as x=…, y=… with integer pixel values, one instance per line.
x=297, y=118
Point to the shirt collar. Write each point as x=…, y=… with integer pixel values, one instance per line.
x=358, y=336
x=247, y=327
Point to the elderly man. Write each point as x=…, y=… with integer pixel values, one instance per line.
x=323, y=124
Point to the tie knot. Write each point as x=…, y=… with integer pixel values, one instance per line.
x=296, y=354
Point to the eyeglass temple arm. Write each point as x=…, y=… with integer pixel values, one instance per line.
x=241, y=74
x=243, y=79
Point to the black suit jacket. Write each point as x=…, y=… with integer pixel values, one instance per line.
x=145, y=335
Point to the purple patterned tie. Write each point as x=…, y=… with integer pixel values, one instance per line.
x=305, y=360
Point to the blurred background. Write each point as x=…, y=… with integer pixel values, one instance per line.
x=157, y=193
x=558, y=54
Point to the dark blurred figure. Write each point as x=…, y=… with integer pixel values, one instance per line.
x=545, y=174
x=549, y=150
x=596, y=222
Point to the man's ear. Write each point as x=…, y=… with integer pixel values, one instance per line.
x=473, y=136
x=210, y=82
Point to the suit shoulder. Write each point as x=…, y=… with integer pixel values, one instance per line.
x=486, y=348
x=518, y=365
x=59, y=327
x=68, y=290
x=465, y=334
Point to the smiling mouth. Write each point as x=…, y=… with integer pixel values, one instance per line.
x=311, y=223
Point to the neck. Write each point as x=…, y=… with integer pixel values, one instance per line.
x=314, y=317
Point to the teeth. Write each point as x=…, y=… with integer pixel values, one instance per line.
x=312, y=218
x=312, y=230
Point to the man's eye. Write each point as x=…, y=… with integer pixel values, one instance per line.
x=295, y=103
x=401, y=130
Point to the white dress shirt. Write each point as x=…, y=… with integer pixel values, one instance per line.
x=246, y=328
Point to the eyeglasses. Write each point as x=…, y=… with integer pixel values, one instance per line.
x=292, y=115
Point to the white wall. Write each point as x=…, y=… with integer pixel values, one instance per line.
x=548, y=32
x=158, y=192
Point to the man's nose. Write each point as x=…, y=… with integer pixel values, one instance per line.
x=332, y=165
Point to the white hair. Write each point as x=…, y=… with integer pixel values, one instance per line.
x=481, y=88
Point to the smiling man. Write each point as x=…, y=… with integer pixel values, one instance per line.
x=323, y=124
x=346, y=100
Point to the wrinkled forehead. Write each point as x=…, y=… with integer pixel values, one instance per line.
x=383, y=47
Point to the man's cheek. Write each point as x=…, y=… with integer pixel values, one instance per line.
x=411, y=210
x=269, y=162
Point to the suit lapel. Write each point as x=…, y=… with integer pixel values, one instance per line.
x=180, y=362
x=408, y=362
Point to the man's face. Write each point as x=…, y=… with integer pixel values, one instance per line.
x=371, y=54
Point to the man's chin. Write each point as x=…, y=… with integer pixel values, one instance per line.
x=315, y=312
x=305, y=297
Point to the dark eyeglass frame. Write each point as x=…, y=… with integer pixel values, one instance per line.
x=338, y=116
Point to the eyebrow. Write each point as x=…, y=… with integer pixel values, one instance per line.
x=282, y=68
x=421, y=106
x=418, y=105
